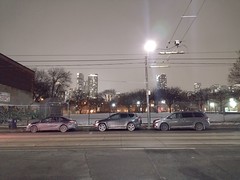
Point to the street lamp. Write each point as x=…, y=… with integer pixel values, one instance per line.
x=113, y=106
x=149, y=46
x=138, y=105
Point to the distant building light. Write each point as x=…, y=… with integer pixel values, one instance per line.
x=193, y=16
x=159, y=66
x=171, y=52
x=93, y=75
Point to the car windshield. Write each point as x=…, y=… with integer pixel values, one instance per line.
x=114, y=117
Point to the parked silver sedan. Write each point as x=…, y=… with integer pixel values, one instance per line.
x=52, y=124
x=129, y=121
x=194, y=120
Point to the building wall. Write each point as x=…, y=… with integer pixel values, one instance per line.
x=17, y=96
x=16, y=82
x=15, y=75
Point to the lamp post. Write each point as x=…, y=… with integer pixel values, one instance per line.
x=149, y=46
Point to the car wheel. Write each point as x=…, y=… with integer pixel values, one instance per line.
x=33, y=129
x=164, y=127
x=102, y=127
x=131, y=127
x=199, y=127
x=63, y=128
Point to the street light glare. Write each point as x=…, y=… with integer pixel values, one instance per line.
x=150, y=46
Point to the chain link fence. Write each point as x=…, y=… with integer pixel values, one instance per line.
x=24, y=113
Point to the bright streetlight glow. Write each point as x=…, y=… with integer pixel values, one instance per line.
x=232, y=103
x=150, y=46
x=138, y=103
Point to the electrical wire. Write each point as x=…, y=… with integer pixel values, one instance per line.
x=193, y=20
x=107, y=54
x=116, y=60
x=179, y=23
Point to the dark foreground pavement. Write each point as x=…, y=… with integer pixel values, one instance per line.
x=121, y=155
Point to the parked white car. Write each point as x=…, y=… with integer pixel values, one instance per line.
x=194, y=120
x=53, y=123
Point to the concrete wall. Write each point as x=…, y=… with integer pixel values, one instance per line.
x=89, y=119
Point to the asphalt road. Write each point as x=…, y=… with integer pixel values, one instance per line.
x=212, y=154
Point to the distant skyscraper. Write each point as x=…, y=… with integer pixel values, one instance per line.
x=80, y=82
x=162, y=81
x=92, y=85
x=197, y=87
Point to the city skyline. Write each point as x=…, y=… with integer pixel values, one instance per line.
x=107, y=38
x=89, y=86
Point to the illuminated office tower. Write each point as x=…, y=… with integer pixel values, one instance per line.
x=92, y=85
x=162, y=81
x=197, y=87
x=80, y=82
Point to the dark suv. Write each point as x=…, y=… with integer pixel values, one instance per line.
x=129, y=121
x=195, y=120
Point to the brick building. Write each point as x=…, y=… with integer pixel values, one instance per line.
x=16, y=82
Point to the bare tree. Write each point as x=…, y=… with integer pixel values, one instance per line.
x=170, y=95
x=234, y=75
x=52, y=83
x=59, y=81
x=41, y=85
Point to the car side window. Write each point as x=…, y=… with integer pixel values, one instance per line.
x=187, y=115
x=115, y=117
x=62, y=119
x=51, y=120
x=178, y=115
x=47, y=120
x=124, y=115
x=198, y=114
x=173, y=116
x=131, y=115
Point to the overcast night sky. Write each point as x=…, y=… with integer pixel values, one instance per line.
x=106, y=37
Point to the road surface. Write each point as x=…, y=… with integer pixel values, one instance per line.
x=212, y=154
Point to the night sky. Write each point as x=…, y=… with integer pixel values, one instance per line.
x=106, y=37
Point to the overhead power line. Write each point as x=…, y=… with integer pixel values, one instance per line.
x=109, y=54
x=193, y=20
x=128, y=65
x=179, y=24
x=116, y=61
x=76, y=55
